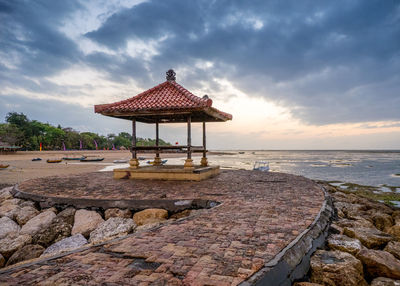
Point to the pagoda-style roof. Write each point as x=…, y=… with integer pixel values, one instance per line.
x=166, y=102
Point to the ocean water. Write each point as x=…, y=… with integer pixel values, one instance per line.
x=372, y=168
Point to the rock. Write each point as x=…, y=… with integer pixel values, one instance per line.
x=7, y=226
x=369, y=237
x=12, y=243
x=383, y=281
x=393, y=247
x=66, y=244
x=395, y=231
x=344, y=243
x=112, y=228
x=350, y=211
x=360, y=222
x=67, y=215
x=147, y=226
x=114, y=212
x=382, y=221
x=37, y=223
x=60, y=228
x=85, y=222
x=5, y=194
x=396, y=217
x=150, y=216
x=306, y=284
x=380, y=263
x=24, y=214
x=27, y=252
x=181, y=214
x=336, y=268
x=335, y=229
x=52, y=209
x=2, y=261
x=9, y=208
x=26, y=203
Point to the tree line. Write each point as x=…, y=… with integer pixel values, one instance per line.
x=19, y=130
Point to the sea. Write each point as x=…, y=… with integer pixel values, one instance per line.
x=380, y=169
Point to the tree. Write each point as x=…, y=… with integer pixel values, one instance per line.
x=10, y=134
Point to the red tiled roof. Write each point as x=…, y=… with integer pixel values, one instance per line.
x=168, y=95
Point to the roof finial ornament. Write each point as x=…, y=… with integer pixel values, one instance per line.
x=171, y=75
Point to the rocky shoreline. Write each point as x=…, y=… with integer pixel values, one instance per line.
x=363, y=246
x=28, y=231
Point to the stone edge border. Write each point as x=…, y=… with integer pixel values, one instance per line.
x=293, y=262
x=172, y=206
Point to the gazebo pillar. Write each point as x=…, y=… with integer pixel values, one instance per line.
x=157, y=159
x=134, y=162
x=189, y=162
x=204, y=161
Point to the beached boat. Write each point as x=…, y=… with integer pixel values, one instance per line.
x=3, y=166
x=74, y=158
x=91, y=159
x=54, y=161
x=120, y=161
x=241, y=152
x=152, y=162
x=261, y=166
x=141, y=158
x=36, y=159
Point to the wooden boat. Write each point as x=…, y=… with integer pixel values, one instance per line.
x=120, y=161
x=54, y=161
x=261, y=166
x=36, y=159
x=141, y=158
x=74, y=158
x=3, y=166
x=152, y=162
x=91, y=159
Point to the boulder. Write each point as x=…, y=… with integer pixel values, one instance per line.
x=7, y=226
x=85, y=222
x=380, y=263
x=344, y=243
x=9, y=208
x=383, y=281
x=150, y=216
x=57, y=230
x=12, y=243
x=393, y=247
x=27, y=203
x=336, y=268
x=382, y=221
x=396, y=216
x=66, y=244
x=359, y=222
x=37, y=223
x=5, y=194
x=350, y=211
x=306, y=284
x=395, y=231
x=24, y=214
x=369, y=237
x=2, y=261
x=67, y=215
x=112, y=228
x=181, y=214
x=115, y=212
x=27, y=252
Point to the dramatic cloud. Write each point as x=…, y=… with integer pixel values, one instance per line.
x=311, y=64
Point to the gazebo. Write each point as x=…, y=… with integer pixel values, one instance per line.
x=167, y=102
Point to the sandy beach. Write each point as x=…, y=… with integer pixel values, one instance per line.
x=23, y=168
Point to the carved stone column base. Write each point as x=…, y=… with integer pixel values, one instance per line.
x=188, y=164
x=134, y=163
x=204, y=162
x=157, y=161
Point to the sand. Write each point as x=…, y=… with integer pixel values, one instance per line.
x=23, y=168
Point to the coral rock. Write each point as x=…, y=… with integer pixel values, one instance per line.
x=7, y=226
x=25, y=214
x=12, y=243
x=380, y=263
x=112, y=228
x=369, y=237
x=115, y=212
x=393, y=247
x=67, y=244
x=344, y=243
x=383, y=281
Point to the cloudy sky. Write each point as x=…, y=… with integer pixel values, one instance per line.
x=294, y=74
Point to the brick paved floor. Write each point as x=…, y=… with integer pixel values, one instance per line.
x=260, y=213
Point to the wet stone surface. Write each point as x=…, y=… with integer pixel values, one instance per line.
x=258, y=215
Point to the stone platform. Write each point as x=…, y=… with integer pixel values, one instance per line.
x=168, y=172
x=262, y=231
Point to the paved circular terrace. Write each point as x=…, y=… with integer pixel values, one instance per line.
x=259, y=215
